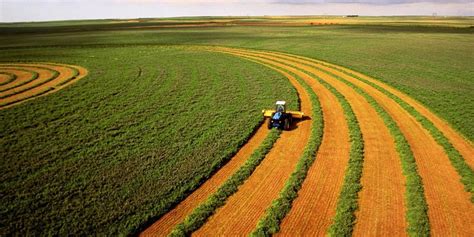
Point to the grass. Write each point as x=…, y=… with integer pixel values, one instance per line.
x=458, y=162
x=201, y=213
x=34, y=76
x=67, y=157
x=54, y=75
x=11, y=77
x=269, y=223
x=347, y=201
x=431, y=64
x=119, y=148
x=417, y=208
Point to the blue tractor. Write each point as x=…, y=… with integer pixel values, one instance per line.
x=280, y=117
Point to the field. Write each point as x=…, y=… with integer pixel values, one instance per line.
x=153, y=126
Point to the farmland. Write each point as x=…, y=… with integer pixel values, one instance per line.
x=168, y=113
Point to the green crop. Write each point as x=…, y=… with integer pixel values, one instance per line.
x=119, y=148
x=201, y=213
x=269, y=223
x=458, y=162
x=417, y=208
x=113, y=152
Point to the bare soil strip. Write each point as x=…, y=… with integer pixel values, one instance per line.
x=464, y=146
x=450, y=209
x=165, y=224
x=313, y=210
x=52, y=77
x=242, y=211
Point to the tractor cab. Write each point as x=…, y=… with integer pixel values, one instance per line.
x=280, y=106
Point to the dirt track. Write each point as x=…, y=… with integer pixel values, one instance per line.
x=50, y=78
x=382, y=207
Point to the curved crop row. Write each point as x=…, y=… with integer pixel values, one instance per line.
x=34, y=76
x=39, y=83
x=353, y=174
x=200, y=214
x=389, y=116
x=268, y=179
x=269, y=223
x=416, y=202
x=11, y=77
x=417, y=207
x=53, y=76
x=457, y=160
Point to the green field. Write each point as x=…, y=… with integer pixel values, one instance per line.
x=107, y=149
x=153, y=119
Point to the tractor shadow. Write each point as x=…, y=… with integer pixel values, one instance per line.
x=295, y=123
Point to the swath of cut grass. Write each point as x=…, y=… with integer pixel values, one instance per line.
x=34, y=76
x=201, y=213
x=54, y=75
x=11, y=77
x=347, y=202
x=456, y=159
x=269, y=223
x=417, y=207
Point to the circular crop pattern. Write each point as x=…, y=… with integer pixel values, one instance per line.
x=20, y=82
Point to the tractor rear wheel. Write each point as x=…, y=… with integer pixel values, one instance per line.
x=287, y=124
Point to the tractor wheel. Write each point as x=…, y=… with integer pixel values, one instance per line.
x=287, y=124
x=270, y=124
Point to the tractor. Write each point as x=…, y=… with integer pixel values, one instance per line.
x=280, y=117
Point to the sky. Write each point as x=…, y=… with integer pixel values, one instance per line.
x=44, y=10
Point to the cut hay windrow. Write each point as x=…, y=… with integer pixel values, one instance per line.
x=45, y=78
x=41, y=82
x=417, y=216
x=457, y=160
x=201, y=213
x=21, y=80
x=416, y=203
x=165, y=224
x=10, y=77
x=417, y=207
x=460, y=151
x=269, y=178
x=270, y=222
x=368, y=115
